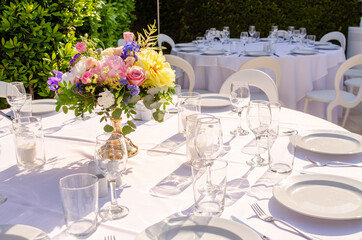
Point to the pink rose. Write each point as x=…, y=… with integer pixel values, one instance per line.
x=91, y=63
x=81, y=48
x=128, y=36
x=118, y=51
x=135, y=75
x=130, y=61
x=86, y=77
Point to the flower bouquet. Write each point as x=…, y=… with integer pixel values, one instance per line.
x=116, y=79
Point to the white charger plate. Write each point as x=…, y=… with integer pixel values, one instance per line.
x=184, y=44
x=198, y=227
x=23, y=232
x=322, y=43
x=304, y=51
x=214, y=100
x=329, y=142
x=257, y=53
x=213, y=52
x=189, y=49
x=321, y=196
x=327, y=47
x=43, y=106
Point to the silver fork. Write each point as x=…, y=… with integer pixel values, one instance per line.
x=110, y=237
x=334, y=163
x=268, y=218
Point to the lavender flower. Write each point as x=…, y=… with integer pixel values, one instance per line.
x=53, y=82
x=134, y=89
x=123, y=81
x=74, y=59
x=129, y=49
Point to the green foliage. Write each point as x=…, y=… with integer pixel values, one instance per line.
x=38, y=36
x=185, y=20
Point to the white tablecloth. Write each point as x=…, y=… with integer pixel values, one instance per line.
x=34, y=199
x=300, y=74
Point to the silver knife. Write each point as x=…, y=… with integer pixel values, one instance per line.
x=262, y=236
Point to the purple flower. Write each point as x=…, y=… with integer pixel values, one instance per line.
x=134, y=89
x=123, y=81
x=74, y=59
x=131, y=46
x=53, y=82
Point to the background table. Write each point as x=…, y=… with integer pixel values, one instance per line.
x=300, y=73
x=34, y=198
x=354, y=45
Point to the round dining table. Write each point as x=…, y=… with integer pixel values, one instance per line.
x=157, y=183
x=301, y=71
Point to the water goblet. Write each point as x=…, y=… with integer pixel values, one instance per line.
x=227, y=30
x=239, y=98
x=251, y=31
x=111, y=158
x=259, y=120
x=290, y=33
x=296, y=36
x=223, y=36
x=274, y=28
x=15, y=96
x=302, y=34
x=243, y=39
x=208, y=145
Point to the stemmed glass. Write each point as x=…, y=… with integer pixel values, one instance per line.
x=208, y=145
x=223, y=37
x=274, y=29
x=302, y=34
x=15, y=96
x=251, y=31
x=290, y=33
x=243, y=39
x=111, y=158
x=259, y=120
x=296, y=36
x=227, y=30
x=239, y=98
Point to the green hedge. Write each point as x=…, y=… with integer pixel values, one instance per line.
x=184, y=20
x=38, y=36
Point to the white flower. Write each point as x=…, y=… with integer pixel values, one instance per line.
x=68, y=77
x=106, y=99
x=79, y=68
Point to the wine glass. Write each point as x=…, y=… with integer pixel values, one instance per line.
x=296, y=35
x=208, y=146
x=111, y=158
x=302, y=34
x=259, y=120
x=15, y=96
x=290, y=33
x=227, y=30
x=251, y=31
x=243, y=39
x=274, y=29
x=223, y=37
x=239, y=98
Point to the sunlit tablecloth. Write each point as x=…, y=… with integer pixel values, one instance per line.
x=300, y=73
x=34, y=199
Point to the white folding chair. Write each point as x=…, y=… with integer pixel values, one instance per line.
x=353, y=84
x=185, y=66
x=335, y=36
x=121, y=42
x=336, y=95
x=165, y=38
x=255, y=78
x=3, y=89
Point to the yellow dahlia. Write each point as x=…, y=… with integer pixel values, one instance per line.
x=159, y=72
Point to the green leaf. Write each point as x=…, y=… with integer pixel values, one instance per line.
x=158, y=115
x=116, y=114
x=131, y=124
x=127, y=130
x=108, y=128
x=65, y=109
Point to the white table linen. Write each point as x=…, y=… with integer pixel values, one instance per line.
x=300, y=73
x=34, y=199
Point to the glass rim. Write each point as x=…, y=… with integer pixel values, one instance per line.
x=91, y=176
x=107, y=135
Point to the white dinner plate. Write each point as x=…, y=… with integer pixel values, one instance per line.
x=304, y=51
x=321, y=196
x=184, y=44
x=257, y=53
x=327, y=47
x=189, y=49
x=43, y=106
x=322, y=43
x=21, y=232
x=214, y=100
x=198, y=227
x=213, y=52
x=264, y=39
x=329, y=142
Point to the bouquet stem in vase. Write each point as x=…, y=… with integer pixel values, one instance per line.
x=132, y=149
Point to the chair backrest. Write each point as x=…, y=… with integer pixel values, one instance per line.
x=165, y=38
x=121, y=42
x=255, y=78
x=283, y=33
x=3, y=89
x=335, y=36
x=265, y=62
x=339, y=100
x=185, y=66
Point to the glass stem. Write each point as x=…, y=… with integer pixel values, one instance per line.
x=112, y=185
x=239, y=126
x=208, y=176
x=258, y=145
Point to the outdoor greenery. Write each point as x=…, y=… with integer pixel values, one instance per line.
x=184, y=20
x=38, y=36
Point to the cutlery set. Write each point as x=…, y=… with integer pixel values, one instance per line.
x=333, y=163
